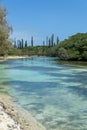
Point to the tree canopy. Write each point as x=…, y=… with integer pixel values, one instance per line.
x=74, y=48
x=5, y=30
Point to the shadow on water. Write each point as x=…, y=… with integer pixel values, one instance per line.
x=38, y=87
x=34, y=68
x=56, y=100
x=76, y=79
x=72, y=63
x=81, y=91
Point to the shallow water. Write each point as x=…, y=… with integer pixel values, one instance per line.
x=55, y=94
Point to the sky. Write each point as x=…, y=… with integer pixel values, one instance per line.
x=41, y=18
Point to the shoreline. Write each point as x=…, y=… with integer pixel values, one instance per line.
x=72, y=63
x=14, y=117
x=3, y=58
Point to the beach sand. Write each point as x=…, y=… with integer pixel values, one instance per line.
x=13, y=117
x=12, y=57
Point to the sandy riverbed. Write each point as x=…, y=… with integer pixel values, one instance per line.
x=12, y=117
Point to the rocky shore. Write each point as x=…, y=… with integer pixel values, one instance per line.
x=12, y=117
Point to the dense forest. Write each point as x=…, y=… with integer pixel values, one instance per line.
x=74, y=48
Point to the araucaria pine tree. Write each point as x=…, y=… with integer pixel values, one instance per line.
x=32, y=42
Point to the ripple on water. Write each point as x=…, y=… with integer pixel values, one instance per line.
x=55, y=94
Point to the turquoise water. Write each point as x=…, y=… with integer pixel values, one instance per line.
x=55, y=94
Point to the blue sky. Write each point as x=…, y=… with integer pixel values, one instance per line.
x=41, y=18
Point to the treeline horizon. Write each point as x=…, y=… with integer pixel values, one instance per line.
x=74, y=48
x=49, y=41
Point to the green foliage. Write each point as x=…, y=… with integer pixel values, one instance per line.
x=62, y=53
x=50, y=51
x=35, y=50
x=14, y=51
x=76, y=47
x=4, y=32
x=74, y=55
x=57, y=41
x=84, y=55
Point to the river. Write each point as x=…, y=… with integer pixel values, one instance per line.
x=55, y=94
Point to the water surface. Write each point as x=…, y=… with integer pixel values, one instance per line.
x=55, y=94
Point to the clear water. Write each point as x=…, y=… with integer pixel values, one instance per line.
x=55, y=94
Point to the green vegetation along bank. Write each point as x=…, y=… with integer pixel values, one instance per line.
x=5, y=30
x=72, y=49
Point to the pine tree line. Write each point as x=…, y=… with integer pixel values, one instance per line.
x=50, y=42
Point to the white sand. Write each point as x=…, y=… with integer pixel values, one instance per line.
x=12, y=57
x=15, y=118
x=6, y=122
